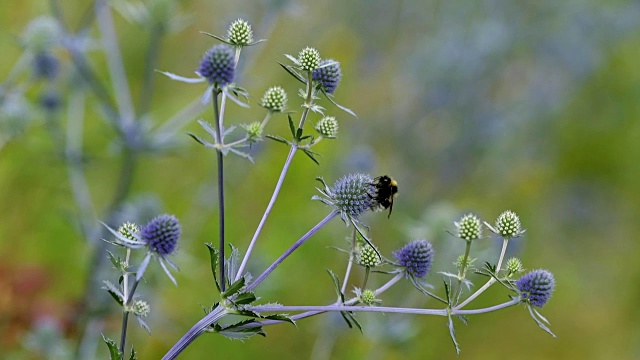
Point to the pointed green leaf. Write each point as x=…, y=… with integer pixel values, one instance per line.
x=452, y=333
x=133, y=354
x=293, y=72
x=244, y=298
x=216, y=37
x=291, y=126
x=114, y=352
x=354, y=320
x=311, y=156
x=213, y=257
x=345, y=109
x=278, y=139
x=336, y=284
x=234, y=288
x=241, y=334
x=280, y=317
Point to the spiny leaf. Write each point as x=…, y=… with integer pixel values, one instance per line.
x=293, y=72
x=452, y=333
x=244, y=298
x=234, y=288
x=311, y=155
x=213, y=256
x=114, y=352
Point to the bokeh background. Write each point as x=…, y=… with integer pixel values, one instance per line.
x=477, y=106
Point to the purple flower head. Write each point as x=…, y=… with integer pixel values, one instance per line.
x=217, y=65
x=352, y=194
x=416, y=256
x=161, y=234
x=536, y=287
x=45, y=66
x=329, y=76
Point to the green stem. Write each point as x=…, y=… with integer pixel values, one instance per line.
x=490, y=282
x=463, y=271
x=220, y=157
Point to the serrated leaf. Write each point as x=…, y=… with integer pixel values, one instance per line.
x=132, y=356
x=354, y=320
x=200, y=141
x=291, y=126
x=336, y=284
x=208, y=128
x=143, y=324
x=311, y=156
x=245, y=298
x=242, y=154
x=452, y=333
x=114, y=291
x=280, y=317
x=216, y=37
x=293, y=72
x=235, y=99
x=278, y=139
x=241, y=334
x=343, y=108
x=248, y=313
x=234, y=288
x=183, y=79
x=213, y=259
x=114, y=352
x=115, y=261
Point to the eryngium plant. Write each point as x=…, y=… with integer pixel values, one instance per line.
x=351, y=198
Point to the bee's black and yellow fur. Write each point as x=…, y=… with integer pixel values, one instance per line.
x=386, y=189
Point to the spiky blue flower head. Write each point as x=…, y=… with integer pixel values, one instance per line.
x=536, y=287
x=239, y=33
x=328, y=76
x=416, y=256
x=45, y=65
x=309, y=59
x=161, y=234
x=352, y=194
x=217, y=65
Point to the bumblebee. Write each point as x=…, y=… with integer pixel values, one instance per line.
x=385, y=190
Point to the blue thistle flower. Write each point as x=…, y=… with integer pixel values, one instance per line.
x=45, y=65
x=351, y=195
x=416, y=256
x=536, y=287
x=161, y=234
x=328, y=75
x=217, y=65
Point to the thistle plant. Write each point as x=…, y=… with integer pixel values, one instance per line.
x=353, y=198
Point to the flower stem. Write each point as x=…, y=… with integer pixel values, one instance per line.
x=283, y=174
x=220, y=157
x=125, y=314
x=350, y=263
x=195, y=331
x=289, y=251
x=489, y=282
x=463, y=271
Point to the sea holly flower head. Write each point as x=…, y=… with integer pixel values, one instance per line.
x=367, y=256
x=536, y=287
x=254, y=131
x=508, y=225
x=416, y=257
x=45, y=65
x=161, y=234
x=351, y=195
x=309, y=59
x=514, y=266
x=239, y=33
x=274, y=99
x=41, y=34
x=327, y=127
x=461, y=263
x=469, y=227
x=217, y=65
x=328, y=75
x=141, y=308
x=129, y=230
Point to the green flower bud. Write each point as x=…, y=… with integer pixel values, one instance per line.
x=274, y=99
x=514, y=266
x=141, y=308
x=461, y=263
x=469, y=227
x=368, y=297
x=508, y=225
x=327, y=127
x=254, y=131
x=367, y=256
x=128, y=230
x=239, y=33
x=309, y=59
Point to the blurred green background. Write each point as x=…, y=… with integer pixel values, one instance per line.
x=472, y=106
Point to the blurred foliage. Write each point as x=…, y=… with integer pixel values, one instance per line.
x=483, y=107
